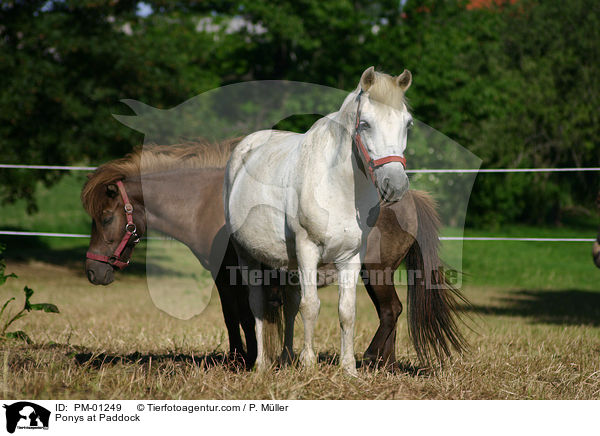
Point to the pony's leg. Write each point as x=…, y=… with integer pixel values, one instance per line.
x=291, y=305
x=256, y=301
x=308, y=258
x=347, y=278
x=228, y=295
x=383, y=346
x=248, y=324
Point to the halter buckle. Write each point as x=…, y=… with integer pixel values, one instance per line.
x=128, y=208
x=130, y=227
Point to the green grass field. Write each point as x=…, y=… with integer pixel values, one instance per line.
x=535, y=324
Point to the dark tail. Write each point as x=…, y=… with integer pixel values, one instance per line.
x=433, y=323
x=273, y=319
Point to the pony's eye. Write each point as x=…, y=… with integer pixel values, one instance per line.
x=107, y=220
x=410, y=124
x=364, y=125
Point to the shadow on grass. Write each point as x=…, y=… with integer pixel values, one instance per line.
x=398, y=367
x=207, y=360
x=26, y=248
x=34, y=248
x=547, y=306
x=85, y=358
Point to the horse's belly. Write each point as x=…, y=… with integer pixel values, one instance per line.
x=257, y=222
x=262, y=236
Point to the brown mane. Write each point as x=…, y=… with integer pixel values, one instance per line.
x=152, y=159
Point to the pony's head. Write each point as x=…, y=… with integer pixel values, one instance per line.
x=381, y=122
x=110, y=244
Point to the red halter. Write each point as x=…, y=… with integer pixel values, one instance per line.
x=130, y=232
x=372, y=164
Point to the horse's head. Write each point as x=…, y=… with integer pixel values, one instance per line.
x=117, y=223
x=381, y=123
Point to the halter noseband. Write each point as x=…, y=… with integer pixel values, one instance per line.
x=130, y=232
x=371, y=163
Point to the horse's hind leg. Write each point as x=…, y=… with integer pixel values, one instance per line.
x=382, y=349
x=308, y=258
x=263, y=326
x=248, y=325
x=291, y=305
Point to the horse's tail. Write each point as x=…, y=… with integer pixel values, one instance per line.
x=272, y=322
x=432, y=299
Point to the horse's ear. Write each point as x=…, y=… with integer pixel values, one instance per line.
x=404, y=80
x=367, y=79
x=112, y=190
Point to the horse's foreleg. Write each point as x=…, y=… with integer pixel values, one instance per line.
x=347, y=278
x=228, y=294
x=291, y=304
x=308, y=258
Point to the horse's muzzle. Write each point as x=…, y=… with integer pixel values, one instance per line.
x=391, y=181
x=99, y=273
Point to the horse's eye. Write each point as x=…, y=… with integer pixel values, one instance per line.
x=107, y=220
x=364, y=125
x=410, y=124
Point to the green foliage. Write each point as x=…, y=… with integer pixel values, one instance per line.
x=6, y=319
x=516, y=84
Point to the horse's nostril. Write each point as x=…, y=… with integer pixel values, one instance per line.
x=91, y=276
x=108, y=276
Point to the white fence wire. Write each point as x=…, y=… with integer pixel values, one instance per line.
x=431, y=171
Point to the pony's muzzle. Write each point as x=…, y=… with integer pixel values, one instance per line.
x=99, y=273
x=392, y=181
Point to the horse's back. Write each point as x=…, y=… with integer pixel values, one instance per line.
x=256, y=142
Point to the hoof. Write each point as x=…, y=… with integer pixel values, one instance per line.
x=376, y=361
x=287, y=358
x=349, y=367
x=351, y=371
x=308, y=359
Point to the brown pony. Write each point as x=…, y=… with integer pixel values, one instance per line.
x=406, y=230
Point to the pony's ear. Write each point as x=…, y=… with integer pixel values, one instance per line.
x=112, y=190
x=404, y=80
x=367, y=79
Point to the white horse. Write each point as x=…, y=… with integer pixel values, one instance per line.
x=295, y=201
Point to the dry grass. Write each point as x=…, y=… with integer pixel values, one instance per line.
x=112, y=343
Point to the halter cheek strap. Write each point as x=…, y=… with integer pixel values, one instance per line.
x=371, y=163
x=115, y=259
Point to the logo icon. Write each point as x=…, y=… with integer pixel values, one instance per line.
x=26, y=415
